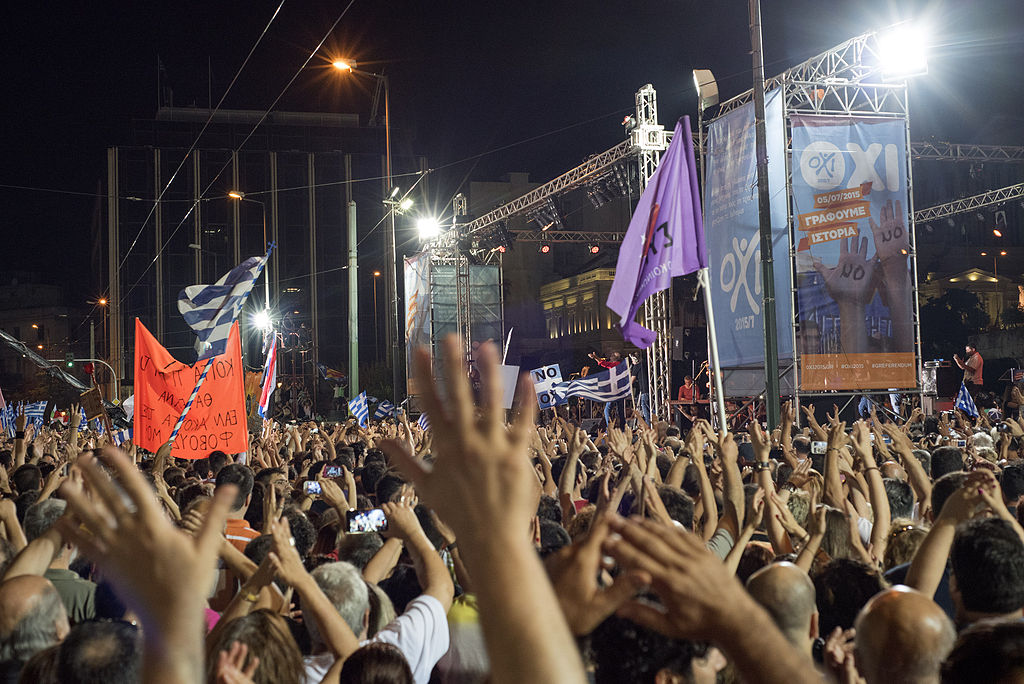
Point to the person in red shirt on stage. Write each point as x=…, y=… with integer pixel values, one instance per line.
x=688, y=391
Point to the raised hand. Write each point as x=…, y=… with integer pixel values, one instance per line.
x=851, y=280
x=231, y=667
x=892, y=239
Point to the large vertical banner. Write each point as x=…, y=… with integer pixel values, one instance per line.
x=854, y=286
x=417, y=311
x=733, y=239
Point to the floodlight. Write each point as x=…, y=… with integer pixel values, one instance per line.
x=997, y=232
x=594, y=249
x=344, y=64
x=707, y=87
x=261, y=319
x=545, y=248
x=428, y=227
x=903, y=52
x=405, y=204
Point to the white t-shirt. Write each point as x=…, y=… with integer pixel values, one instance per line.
x=420, y=633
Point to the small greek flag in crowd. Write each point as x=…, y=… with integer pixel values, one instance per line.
x=609, y=385
x=384, y=409
x=965, y=403
x=210, y=310
x=359, y=409
x=122, y=436
x=34, y=413
x=7, y=419
x=423, y=422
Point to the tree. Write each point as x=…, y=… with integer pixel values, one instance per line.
x=947, y=322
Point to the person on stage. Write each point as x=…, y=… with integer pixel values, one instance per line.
x=610, y=362
x=971, y=366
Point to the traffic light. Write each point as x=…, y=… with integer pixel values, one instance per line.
x=69, y=359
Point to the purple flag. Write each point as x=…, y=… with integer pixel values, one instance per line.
x=665, y=238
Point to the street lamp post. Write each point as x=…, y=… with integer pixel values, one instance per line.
x=995, y=260
x=240, y=196
x=376, y=325
x=394, y=326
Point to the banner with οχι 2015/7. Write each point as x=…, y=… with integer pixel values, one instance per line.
x=854, y=284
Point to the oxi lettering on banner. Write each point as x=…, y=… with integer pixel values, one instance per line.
x=163, y=385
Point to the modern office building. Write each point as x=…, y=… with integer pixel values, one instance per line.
x=296, y=173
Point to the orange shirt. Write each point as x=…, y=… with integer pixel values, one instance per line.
x=239, y=533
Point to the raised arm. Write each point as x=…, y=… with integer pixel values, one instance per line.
x=430, y=569
x=483, y=486
x=876, y=489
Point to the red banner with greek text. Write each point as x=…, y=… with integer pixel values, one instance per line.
x=163, y=384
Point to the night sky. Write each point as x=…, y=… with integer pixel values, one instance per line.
x=550, y=81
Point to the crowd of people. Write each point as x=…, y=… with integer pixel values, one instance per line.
x=518, y=548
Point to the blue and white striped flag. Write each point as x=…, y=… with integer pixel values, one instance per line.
x=610, y=385
x=122, y=436
x=7, y=420
x=965, y=403
x=34, y=413
x=371, y=400
x=384, y=409
x=210, y=310
x=423, y=422
x=359, y=409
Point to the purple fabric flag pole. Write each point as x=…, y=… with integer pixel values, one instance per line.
x=665, y=237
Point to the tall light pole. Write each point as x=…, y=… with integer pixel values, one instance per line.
x=240, y=196
x=394, y=326
x=995, y=258
x=376, y=325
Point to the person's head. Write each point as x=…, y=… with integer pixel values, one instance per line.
x=241, y=476
x=802, y=446
x=343, y=585
x=969, y=348
x=548, y=508
x=799, y=504
x=218, y=459
x=904, y=540
x=376, y=663
x=988, y=651
x=902, y=636
x=925, y=458
x=687, y=380
x=1011, y=481
x=269, y=639
x=987, y=579
x=27, y=478
x=679, y=505
x=787, y=593
x=943, y=488
x=39, y=518
x=842, y=587
x=626, y=653
x=946, y=459
x=201, y=467
x=358, y=549
x=32, y=617
x=837, y=542
x=108, y=652
x=901, y=497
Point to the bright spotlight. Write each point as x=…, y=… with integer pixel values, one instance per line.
x=997, y=232
x=903, y=52
x=343, y=64
x=261, y=319
x=428, y=228
x=594, y=249
x=545, y=248
x=405, y=204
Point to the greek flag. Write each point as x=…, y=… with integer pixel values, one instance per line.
x=122, y=436
x=359, y=409
x=384, y=409
x=610, y=385
x=210, y=310
x=34, y=413
x=965, y=403
x=423, y=422
x=7, y=419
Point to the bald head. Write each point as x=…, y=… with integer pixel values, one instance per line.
x=902, y=635
x=32, y=617
x=787, y=593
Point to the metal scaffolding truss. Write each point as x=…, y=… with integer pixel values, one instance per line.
x=955, y=152
x=592, y=168
x=836, y=74
x=960, y=206
x=586, y=237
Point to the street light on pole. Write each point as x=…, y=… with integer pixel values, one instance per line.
x=240, y=196
x=394, y=204
x=376, y=325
